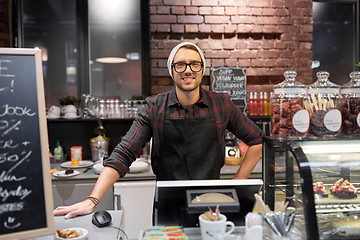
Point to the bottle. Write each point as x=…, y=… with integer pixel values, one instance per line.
x=256, y=104
x=58, y=151
x=261, y=104
x=266, y=105
x=251, y=104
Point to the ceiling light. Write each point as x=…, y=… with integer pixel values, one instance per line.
x=111, y=60
x=133, y=56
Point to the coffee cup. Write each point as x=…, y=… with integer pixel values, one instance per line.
x=70, y=115
x=212, y=230
x=53, y=112
x=68, y=109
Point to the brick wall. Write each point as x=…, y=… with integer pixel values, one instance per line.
x=265, y=36
x=4, y=24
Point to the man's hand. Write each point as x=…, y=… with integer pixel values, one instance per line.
x=81, y=208
x=107, y=178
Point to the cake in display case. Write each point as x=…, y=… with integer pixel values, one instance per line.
x=320, y=179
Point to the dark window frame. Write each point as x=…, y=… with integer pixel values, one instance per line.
x=356, y=39
x=82, y=36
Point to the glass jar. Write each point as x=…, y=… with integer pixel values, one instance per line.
x=325, y=117
x=349, y=105
x=289, y=117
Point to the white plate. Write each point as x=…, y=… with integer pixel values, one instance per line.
x=83, y=164
x=52, y=117
x=83, y=236
x=62, y=174
x=138, y=166
x=72, y=117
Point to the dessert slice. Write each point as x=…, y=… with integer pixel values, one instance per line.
x=69, y=171
x=320, y=189
x=343, y=189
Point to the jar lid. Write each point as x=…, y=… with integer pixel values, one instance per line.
x=323, y=85
x=290, y=85
x=353, y=86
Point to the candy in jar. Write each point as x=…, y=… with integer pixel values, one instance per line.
x=325, y=117
x=289, y=118
x=349, y=105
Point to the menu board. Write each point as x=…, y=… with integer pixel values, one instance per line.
x=25, y=185
x=230, y=80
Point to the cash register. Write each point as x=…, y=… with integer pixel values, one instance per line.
x=181, y=202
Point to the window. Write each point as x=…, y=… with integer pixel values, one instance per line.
x=336, y=39
x=76, y=35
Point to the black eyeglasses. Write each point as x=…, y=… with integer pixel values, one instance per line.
x=180, y=67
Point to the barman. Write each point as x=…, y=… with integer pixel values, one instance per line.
x=187, y=125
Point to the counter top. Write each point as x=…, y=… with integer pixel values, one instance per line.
x=228, y=171
x=112, y=232
x=94, y=232
x=90, y=174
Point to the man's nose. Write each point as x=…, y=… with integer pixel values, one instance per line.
x=187, y=69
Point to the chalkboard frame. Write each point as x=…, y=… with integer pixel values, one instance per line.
x=48, y=196
x=242, y=81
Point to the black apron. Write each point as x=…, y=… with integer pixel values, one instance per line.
x=190, y=149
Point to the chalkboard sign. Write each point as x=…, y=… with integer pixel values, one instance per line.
x=25, y=185
x=230, y=80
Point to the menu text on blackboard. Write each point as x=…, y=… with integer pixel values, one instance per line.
x=23, y=205
x=232, y=81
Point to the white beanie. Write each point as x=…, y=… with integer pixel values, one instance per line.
x=174, y=51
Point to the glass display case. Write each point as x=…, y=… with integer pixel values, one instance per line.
x=320, y=180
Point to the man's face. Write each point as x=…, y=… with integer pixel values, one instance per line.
x=188, y=80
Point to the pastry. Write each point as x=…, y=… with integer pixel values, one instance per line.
x=69, y=171
x=282, y=118
x=320, y=189
x=343, y=189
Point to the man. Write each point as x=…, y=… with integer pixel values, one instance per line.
x=188, y=127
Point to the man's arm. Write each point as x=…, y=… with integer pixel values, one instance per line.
x=106, y=179
x=116, y=165
x=252, y=157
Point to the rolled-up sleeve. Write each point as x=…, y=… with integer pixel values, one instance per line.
x=244, y=128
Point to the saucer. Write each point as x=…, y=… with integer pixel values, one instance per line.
x=83, y=164
x=61, y=174
x=74, y=117
x=52, y=117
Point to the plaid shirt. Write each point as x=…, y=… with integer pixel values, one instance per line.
x=149, y=123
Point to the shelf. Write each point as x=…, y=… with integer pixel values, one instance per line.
x=259, y=118
x=62, y=120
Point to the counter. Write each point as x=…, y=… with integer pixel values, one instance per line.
x=94, y=232
x=228, y=171
x=129, y=192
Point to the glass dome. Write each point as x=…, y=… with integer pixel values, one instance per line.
x=349, y=105
x=325, y=118
x=289, y=117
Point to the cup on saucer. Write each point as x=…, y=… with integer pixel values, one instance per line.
x=53, y=112
x=70, y=115
x=68, y=108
